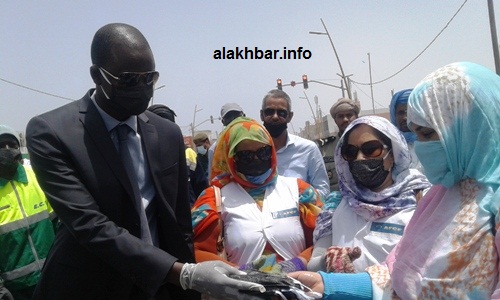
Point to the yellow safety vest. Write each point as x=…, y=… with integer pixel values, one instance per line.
x=26, y=232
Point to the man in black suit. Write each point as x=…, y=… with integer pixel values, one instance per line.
x=126, y=231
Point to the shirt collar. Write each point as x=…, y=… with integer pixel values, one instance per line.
x=111, y=122
x=290, y=139
x=20, y=176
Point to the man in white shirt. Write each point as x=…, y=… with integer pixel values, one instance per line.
x=297, y=157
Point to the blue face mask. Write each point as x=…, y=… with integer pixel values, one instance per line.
x=433, y=158
x=201, y=150
x=259, y=179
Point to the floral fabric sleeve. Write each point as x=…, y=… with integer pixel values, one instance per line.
x=381, y=282
x=205, y=220
x=324, y=219
x=309, y=207
x=495, y=208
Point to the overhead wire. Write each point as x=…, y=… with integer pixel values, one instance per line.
x=35, y=90
x=425, y=49
x=368, y=95
x=360, y=83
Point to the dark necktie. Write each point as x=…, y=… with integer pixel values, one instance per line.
x=131, y=166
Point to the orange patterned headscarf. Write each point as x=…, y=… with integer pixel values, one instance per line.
x=223, y=165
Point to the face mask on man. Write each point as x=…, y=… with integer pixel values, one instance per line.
x=201, y=150
x=369, y=173
x=275, y=130
x=130, y=101
x=9, y=161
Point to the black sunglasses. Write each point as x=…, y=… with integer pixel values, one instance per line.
x=282, y=113
x=247, y=156
x=370, y=149
x=131, y=79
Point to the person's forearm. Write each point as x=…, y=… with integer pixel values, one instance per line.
x=347, y=286
x=201, y=255
x=174, y=274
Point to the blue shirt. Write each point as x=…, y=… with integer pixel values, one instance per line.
x=301, y=158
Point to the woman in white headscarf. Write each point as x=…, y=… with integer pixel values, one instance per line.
x=450, y=248
x=378, y=195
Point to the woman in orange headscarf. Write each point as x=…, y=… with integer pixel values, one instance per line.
x=262, y=213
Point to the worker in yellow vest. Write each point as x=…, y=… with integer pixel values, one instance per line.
x=27, y=222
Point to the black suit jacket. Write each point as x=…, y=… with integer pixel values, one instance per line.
x=97, y=253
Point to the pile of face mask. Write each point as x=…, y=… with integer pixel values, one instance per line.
x=278, y=286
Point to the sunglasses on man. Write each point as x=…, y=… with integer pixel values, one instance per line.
x=282, y=113
x=370, y=149
x=131, y=79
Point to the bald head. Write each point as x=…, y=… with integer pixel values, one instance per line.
x=116, y=36
x=120, y=51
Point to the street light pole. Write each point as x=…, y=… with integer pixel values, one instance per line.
x=348, y=83
x=194, y=118
x=160, y=87
x=336, y=55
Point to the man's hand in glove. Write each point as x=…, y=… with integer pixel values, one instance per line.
x=211, y=277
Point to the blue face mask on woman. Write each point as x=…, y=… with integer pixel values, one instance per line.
x=433, y=158
x=259, y=179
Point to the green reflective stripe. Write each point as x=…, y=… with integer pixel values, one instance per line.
x=24, y=223
x=23, y=271
x=42, y=234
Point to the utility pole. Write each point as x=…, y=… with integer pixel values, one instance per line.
x=319, y=120
x=312, y=111
x=348, y=80
x=194, y=118
x=494, y=39
x=371, y=82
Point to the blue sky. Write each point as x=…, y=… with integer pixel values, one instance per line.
x=46, y=46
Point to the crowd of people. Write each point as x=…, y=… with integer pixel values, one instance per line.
x=113, y=204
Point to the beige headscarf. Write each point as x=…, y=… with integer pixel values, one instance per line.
x=344, y=104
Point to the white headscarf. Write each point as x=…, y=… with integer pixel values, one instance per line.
x=400, y=195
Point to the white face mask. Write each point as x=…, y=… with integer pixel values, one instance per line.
x=201, y=150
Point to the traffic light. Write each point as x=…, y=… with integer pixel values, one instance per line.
x=211, y=119
x=279, y=84
x=304, y=81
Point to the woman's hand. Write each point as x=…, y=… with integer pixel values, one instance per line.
x=310, y=279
